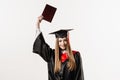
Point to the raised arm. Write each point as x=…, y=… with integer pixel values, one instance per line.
x=40, y=18
x=40, y=46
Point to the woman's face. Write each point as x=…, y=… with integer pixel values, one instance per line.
x=62, y=43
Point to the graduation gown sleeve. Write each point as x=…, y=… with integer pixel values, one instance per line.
x=79, y=75
x=42, y=48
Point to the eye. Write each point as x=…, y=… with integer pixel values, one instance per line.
x=65, y=39
x=60, y=40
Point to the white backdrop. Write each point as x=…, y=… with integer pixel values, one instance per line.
x=96, y=25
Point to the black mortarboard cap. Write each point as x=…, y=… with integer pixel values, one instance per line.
x=61, y=33
x=48, y=12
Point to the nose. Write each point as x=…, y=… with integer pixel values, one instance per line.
x=63, y=42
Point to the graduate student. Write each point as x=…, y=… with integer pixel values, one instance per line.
x=63, y=63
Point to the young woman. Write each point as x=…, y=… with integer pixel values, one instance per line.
x=63, y=63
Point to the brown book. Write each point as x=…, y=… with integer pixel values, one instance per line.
x=48, y=12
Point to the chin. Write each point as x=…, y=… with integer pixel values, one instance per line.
x=63, y=48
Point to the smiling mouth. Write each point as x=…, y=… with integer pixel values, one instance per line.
x=63, y=48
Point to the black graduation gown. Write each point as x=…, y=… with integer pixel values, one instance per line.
x=42, y=48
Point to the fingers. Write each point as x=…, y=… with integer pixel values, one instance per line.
x=40, y=18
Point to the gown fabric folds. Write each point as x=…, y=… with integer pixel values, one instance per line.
x=41, y=48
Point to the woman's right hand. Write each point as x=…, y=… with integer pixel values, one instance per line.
x=40, y=18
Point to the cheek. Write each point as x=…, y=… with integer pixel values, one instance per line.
x=60, y=43
x=65, y=43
